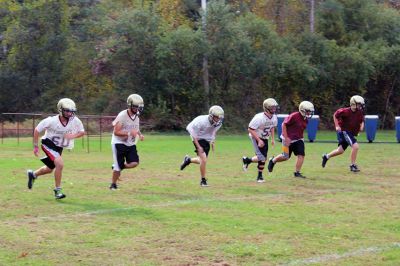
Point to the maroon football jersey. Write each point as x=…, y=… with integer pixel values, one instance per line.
x=295, y=125
x=348, y=120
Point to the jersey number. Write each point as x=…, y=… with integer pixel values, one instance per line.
x=60, y=142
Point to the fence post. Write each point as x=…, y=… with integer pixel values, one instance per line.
x=101, y=120
x=18, y=132
x=87, y=135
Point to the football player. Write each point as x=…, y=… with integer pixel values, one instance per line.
x=60, y=132
x=348, y=123
x=292, y=137
x=203, y=130
x=125, y=136
x=261, y=127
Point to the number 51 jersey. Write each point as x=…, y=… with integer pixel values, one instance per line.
x=55, y=130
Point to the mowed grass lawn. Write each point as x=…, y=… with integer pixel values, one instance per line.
x=161, y=216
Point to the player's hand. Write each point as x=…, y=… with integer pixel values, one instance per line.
x=141, y=137
x=272, y=142
x=36, y=151
x=260, y=143
x=338, y=129
x=134, y=132
x=212, y=146
x=287, y=141
x=200, y=150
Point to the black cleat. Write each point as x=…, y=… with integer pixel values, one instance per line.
x=58, y=194
x=298, y=174
x=113, y=186
x=354, y=168
x=31, y=178
x=260, y=179
x=246, y=161
x=271, y=164
x=203, y=182
x=186, y=162
x=324, y=160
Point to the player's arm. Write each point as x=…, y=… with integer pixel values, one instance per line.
x=118, y=131
x=36, y=142
x=254, y=134
x=272, y=131
x=285, y=134
x=198, y=146
x=74, y=135
x=336, y=121
x=140, y=135
x=362, y=126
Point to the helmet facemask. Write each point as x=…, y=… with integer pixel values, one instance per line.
x=67, y=113
x=308, y=114
x=135, y=104
x=215, y=120
x=273, y=109
x=66, y=108
x=357, y=103
x=270, y=106
x=136, y=109
x=306, y=109
x=216, y=116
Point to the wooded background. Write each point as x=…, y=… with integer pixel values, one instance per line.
x=97, y=52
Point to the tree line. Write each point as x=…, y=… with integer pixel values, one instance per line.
x=99, y=52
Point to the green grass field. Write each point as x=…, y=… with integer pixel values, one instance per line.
x=161, y=216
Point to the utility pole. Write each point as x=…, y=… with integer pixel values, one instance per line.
x=206, y=82
x=312, y=7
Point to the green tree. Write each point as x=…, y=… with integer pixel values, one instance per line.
x=179, y=57
x=36, y=38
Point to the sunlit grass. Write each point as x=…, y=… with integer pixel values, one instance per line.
x=161, y=216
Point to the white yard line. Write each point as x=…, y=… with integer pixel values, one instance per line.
x=335, y=256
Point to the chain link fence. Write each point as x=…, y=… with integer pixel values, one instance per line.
x=98, y=128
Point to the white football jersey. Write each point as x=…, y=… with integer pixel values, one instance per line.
x=201, y=128
x=128, y=123
x=55, y=130
x=262, y=124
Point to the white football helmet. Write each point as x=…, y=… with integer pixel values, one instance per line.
x=216, y=115
x=270, y=105
x=306, y=109
x=135, y=103
x=357, y=102
x=66, y=107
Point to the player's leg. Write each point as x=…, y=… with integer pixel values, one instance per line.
x=284, y=156
x=59, y=163
x=33, y=175
x=186, y=161
x=299, y=164
x=114, y=179
x=353, y=157
x=298, y=150
x=203, y=157
x=118, y=151
x=203, y=164
x=248, y=160
x=132, y=157
x=261, y=155
x=52, y=152
x=342, y=146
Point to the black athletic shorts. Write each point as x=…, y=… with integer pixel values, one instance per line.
x=52, y=152
x=297, y=148
x=204, y=144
